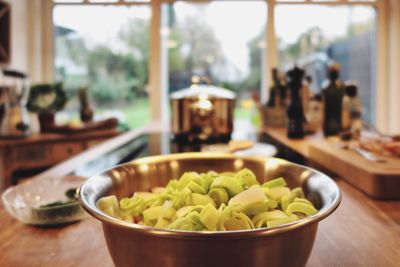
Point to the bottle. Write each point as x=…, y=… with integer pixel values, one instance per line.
x=86, y=111
x=314, y=114
x=282, y=89
x=277, y=95
x=295, y=109
x=274, y=89
x=332, y=96
x=351, y=109
x=305, y=93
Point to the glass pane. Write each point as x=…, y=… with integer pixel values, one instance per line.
x=108, y=53
x=316, y=35
x=220, y=42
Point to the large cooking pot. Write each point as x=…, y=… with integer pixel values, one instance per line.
x=202, y=112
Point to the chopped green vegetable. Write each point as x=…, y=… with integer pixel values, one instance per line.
x=297, y=192
x=278, y=192
x=199, y=199
x=109, y=205
x=301, y=207
x=277, y=222
x=285, y=201
x=219, y=195
x=254, y=209
x=278, y=182
x=56, y=204
x=195, y=188
x=232, y=186
x=262, y=218
x=246, y=178
x=303, y=200
x=248, y=197
x=213, y=202
x=72, y=193
x=209, y=217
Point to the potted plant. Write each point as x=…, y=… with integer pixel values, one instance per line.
x=46, y=100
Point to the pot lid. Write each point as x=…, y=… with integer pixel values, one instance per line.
x=197, y=90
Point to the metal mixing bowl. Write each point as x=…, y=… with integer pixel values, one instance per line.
x=136, y=245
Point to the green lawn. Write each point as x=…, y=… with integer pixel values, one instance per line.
x=137, y=114
x=242, y=113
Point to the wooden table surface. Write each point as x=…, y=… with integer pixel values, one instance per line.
x=361, y=232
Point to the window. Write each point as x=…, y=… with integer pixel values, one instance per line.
x=220, y=42
x=316, y=35
x=108, y=54
x=223, y=42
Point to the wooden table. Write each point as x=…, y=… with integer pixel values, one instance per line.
x=362, y=232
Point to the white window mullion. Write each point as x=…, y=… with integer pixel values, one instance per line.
x=156, y=64
x=382, y=64
x=40, y=34
x=271, y=55
x=394, y=68
x=48, y=43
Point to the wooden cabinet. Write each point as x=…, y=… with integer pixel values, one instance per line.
x=5, y=32
x=66, y=150
x=43, y=151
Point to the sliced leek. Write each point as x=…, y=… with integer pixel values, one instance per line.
x=213, y=201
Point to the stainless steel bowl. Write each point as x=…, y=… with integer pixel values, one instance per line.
x=136, y=245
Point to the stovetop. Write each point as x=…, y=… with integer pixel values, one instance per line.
x=155, y=144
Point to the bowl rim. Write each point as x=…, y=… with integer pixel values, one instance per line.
x=143, y=229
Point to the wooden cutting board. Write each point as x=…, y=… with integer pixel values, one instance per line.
x=377, y=179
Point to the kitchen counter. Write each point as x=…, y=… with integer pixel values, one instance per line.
x=361, y=232
x=300, y=146
x=44, y=150
x=379, y=179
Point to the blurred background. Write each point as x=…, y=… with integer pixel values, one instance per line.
x=107, y=46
